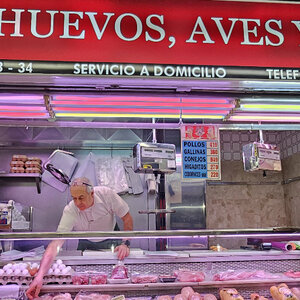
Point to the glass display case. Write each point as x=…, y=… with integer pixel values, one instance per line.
x=248, y=269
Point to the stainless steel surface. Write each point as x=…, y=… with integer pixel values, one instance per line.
x=21, y=175
x=285, y=260
x=78, y=124
x=36, y=176
x=187, y=198
x=243, y=183
x=157, y=211
x=289, y=233
x=141, y=125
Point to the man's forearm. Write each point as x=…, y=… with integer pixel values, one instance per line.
x=49, y=256
x=128, y=223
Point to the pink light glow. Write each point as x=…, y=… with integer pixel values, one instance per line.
x=139, y=110
x=21, y=97
x=138, y=99
x=266, y=117
x=219, y=101
x=114, y=98
x=23, y=115
x=21, y=108
x=147, y=104
x=114, y=109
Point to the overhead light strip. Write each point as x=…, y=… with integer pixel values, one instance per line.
x=161, y=115
x=266, y=118
x=138, y=99
x=269, y=107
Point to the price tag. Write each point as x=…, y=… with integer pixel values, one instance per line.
x=200, y=147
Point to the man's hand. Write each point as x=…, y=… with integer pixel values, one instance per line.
x=123, y=251
x=35, y=287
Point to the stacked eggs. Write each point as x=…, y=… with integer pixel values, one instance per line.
x=30, y=269
x=59, y=268
x=19, y=269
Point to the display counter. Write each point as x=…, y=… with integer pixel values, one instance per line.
x=271, y=265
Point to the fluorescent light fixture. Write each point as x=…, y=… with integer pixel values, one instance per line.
x=184, y=116
x=261, y=100
x=127, y=115
x=266, y=117
x=271, y=85
x=21, y=99
x=141, y=107
x=269, y=107
x=23, y=115
x=137, y=115
x=22, y=108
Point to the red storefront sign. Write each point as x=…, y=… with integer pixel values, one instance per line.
x=190, y=32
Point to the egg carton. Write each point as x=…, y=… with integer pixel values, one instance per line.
x=20, y=280
x=26, y=280
x=59, y=279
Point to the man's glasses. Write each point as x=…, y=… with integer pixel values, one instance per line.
x=81, y=183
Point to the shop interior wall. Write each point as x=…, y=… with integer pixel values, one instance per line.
x=242, y=200
x=291, y=175
x=48, y=205
x=249, y=199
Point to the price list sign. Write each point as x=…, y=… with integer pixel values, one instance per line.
x=200, y=148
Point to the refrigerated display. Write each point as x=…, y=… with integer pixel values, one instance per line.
x=250, y=272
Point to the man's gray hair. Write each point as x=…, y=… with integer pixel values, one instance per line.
x=83, y=181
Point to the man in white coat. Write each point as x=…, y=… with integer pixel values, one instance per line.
x=92, y=209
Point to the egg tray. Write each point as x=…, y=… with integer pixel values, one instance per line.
x=26, y=280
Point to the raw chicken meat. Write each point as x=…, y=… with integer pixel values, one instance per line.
x=93, y=296
x=65, y=296
x=292, y=274
x=164, y=297
x=44, y=297
x=190, y=276
x=196, y=296
x=187, y=291
x=243, y=274
x=119, y=272
x=80, y=278
x=98, y=278
x=257, y=297
x=180, y=297
x=144, y=278
x=209, y=297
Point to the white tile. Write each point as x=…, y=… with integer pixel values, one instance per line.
x=226, y=137
x=295, y=149
x=235, y=137
x=253, y=137
x=245, y=137
x=227, y=156
x=294, y=139
x=226, y=147
x=236, y=156
x=272, y=138
x=236, y=147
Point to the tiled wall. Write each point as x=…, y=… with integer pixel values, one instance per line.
x=233, y=141
x=291, y=170
x=247, y=199
x=290, y=143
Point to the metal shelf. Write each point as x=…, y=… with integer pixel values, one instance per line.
x=36, y=176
